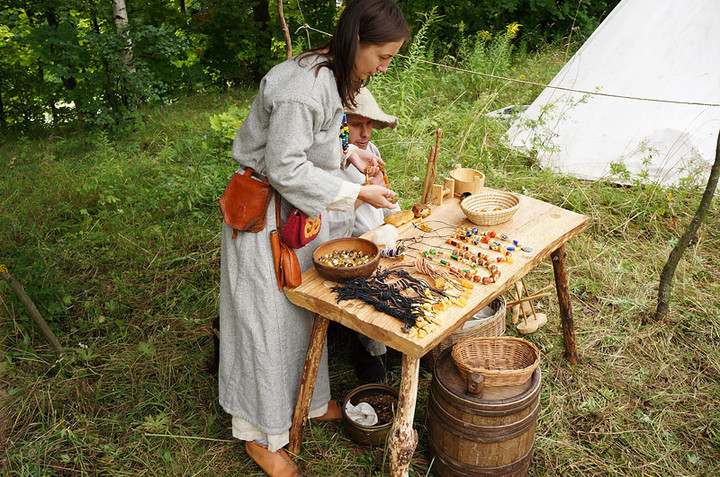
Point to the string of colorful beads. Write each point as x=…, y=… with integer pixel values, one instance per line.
x=478, y=237
x=469, y=259
x=345, y=132
x=507, y=257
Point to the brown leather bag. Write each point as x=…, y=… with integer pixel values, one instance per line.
x=244, y=202
x=287, y=266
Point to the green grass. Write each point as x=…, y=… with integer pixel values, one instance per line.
x=116, y=239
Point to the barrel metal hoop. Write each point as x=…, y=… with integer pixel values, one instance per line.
x=501, y=408
x=480, y=433
x=459, y=468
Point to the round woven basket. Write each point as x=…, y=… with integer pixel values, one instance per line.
x=503, y=360
x=491, y=326
x=490, y=208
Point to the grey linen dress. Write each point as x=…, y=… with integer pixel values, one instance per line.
x=291, y=136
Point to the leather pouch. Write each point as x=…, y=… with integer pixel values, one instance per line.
x=244, y=202
x=287, y=266
x=300, y=229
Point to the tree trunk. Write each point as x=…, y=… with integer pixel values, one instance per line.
x=2, y=110
x=121, y=27
x=261, y=15
x=286, y=32
x=121, y=22
x=109, y=95
x=668, y=272
x=182, y=6
x=71, y=82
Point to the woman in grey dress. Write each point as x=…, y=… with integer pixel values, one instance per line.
x=291, y=136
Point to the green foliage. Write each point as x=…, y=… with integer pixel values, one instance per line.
x=543, y=20
x=225, y=125
x=61, y=62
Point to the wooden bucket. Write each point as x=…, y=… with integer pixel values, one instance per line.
x=467, y=180
x=487, y=434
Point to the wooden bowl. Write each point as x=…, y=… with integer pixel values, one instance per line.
x=467, y=180
x=343, y=274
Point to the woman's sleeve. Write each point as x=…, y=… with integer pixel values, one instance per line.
x=345, y=197
x=291, y=131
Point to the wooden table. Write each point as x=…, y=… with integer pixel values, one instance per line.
x=537, y=224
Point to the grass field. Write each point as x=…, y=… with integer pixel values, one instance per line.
x=115, y=236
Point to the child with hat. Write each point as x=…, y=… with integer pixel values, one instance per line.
x=365, y=116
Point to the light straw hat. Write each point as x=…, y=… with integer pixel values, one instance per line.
x=367, y=107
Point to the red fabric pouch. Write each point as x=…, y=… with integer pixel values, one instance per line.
x=299, y=229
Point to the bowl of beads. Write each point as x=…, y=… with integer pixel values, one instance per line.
x=490, y=208
x=343, y=259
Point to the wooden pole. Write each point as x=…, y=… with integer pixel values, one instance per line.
x=563, y=293
x=307, y=386
x=404, y=439
x=431, y=169
x=32, y=309
x=438, y=135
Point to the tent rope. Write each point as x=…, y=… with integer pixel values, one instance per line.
x=533, y=83
x=304, y=25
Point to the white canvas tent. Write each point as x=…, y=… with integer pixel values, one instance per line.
x=658, y=49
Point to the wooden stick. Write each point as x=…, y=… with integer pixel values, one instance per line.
x=438, y=135
x=307, y=385
x=429, y=177
x=431, y=170
x=527, y=298
x=532, y=307
x=520, y=287
x=32, y=309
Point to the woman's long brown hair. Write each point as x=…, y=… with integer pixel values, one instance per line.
x=373, y=22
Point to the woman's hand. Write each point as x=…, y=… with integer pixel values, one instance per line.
x=377, y=196
x=361, y=159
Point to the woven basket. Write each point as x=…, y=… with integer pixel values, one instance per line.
x=481, y=208
x=503, y=361
x=491, y=326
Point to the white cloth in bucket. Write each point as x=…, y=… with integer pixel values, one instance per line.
x=363, y=413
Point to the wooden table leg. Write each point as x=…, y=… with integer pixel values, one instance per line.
x=404, y=438
x=563, y=293
x=307, y=384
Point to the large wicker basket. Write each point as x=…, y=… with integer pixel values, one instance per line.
x=490, y=208
x=503, y=361
x=491, y=326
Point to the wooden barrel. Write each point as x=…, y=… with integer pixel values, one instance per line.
x=489, y=435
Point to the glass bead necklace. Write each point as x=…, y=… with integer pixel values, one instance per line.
x=505, y=257
x=475, y=263
x=478, y=237
x=345, y=132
